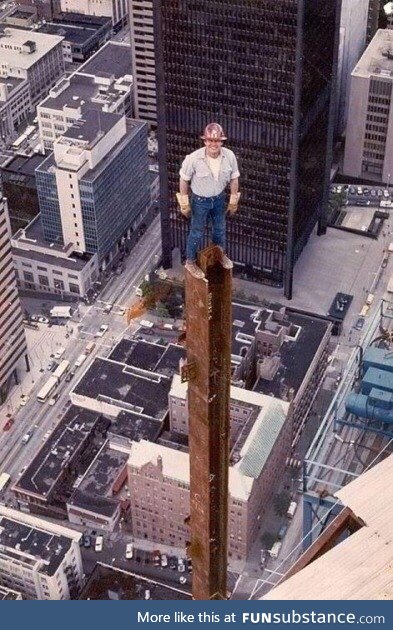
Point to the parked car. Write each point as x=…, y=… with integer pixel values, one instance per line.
x=282, y=531
x=366, y=191
x=43, y=320
x=352, y=190
x=182, y=579
x=8, y=424
x=69, y=376
x=101, y=331
x=385, y=194
x=24, y=400
x=108, y=308
x=164, y=560
x=380, y=192
x=360, y=323
x=181, y=567
x=129, y=551
x=156, y=558
x=87, y=541
x=59, y=352
x=359, y=190
x=26, y=437
x=52, y=401
x=99, y=543
x=172, y=562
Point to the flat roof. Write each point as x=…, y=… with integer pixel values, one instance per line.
x=135, y=427
x=62, y=447
x=107, y=583
x=149, y=356
x=20, y=539
x=93, y=21
x=17, y=37
x=295, y=354
x=8, y=594
x=94, y=492
x=377, y=59
x=93, y=123
x=127, y=387
x=71, y=32
x=114, y=58
x=24, y=165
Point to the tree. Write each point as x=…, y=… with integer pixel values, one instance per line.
x=268, y=539
x=161, y=310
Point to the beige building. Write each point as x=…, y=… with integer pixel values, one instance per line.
x=37, y=57
x=15, y=105
x=117, y=10
x=12, y=336
x=39, y=559
x=369, y=140
x=159, y=478
x=144, y=71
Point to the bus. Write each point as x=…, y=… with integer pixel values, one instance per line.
x=19, y=141
x=5, y=479
x=61, y=370
x=47, y=389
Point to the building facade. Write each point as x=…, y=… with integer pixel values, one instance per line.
x=144, y=72
x=37, y=57
x=39, y=559
x=369, y=139
x=117, y=10
x=88, y=194
x=267, y=72
x=15, y=106
x=12, y=336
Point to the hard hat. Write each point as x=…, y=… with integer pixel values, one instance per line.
x=213, y=131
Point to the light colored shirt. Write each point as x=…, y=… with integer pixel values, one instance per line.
x=196, y=170
x=215, y=164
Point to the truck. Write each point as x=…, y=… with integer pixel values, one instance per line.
x=61, y=311
x=61, y=370
x=90, y=347
x=292, y=509
x=275, y=550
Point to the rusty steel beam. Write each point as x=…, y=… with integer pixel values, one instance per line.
x=208, y=371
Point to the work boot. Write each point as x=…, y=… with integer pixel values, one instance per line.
x=225, y=261
x=194, y=270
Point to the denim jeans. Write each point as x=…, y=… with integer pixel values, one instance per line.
x=203, y=209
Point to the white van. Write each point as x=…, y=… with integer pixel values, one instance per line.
x=145, y=323
x=81, y=359
x=292, y=509
x=275, y=550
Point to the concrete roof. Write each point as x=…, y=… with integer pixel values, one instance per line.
x=113, y=58
x=375, y=60
x=359, y=567
x=14, y=37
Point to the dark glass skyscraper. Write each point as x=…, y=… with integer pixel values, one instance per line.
x=265, y=70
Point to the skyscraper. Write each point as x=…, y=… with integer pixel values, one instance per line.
x=266, y=71
x=12, y=334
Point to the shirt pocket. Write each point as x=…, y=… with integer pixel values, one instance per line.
x=225, y=173
x=202, y=170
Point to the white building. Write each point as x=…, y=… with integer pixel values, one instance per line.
x=369, y=139
x=37, y=57
x=12, y=336
x=95, y=85
x=117, y=10
x=39, y=559
x=353, y=30
x=15, y=105
x=144, y=71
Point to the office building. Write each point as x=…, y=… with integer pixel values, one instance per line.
x=37, y=57
x=369, y=139
x=15, y=106
x=46, y=9
x=353, y=30
x=117, y=10
x=374, y=7
x=103, y=83
x=89, y=197
x=143, y=71
x=267, y=73
x=159, y=476
x=12, y=336
x=8, y=594
x=39, y=559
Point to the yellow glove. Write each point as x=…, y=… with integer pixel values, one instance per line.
x=184, y=204
x=233, y=203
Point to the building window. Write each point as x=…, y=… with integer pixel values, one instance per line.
x=59, y=284
x=28, y=276
x=43, y=280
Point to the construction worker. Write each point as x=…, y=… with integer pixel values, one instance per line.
x=208, y=171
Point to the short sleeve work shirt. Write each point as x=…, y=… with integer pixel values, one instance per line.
x=196, y=170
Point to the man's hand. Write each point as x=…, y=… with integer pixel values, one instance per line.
x=184, y=204
x=233, y=203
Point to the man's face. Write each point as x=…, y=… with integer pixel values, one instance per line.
x=213, y=147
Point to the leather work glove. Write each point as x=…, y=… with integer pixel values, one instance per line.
x=184, y=204
x=233, y=203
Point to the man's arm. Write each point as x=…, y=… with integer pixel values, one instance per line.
x=183, y=186
x=183, y=199
x=233, y=186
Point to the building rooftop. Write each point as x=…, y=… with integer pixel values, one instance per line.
x=23, y=165
x=94, y=492
x=125, y=387
x=8, y=594
x=107, y=583
x=35, y=46
x=114, y=58
x=33, y=541
x=149, y=356
x=82, y=92
x=135, y=427
x=92, y=126
x=63, y=446
x=11, y=84
x=346, y=572
x=291, y=363
x=377, y=59
x=74, y=34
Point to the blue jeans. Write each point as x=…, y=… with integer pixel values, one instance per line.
x=203, y=209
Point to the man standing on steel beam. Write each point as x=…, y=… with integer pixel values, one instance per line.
x=208, y=171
